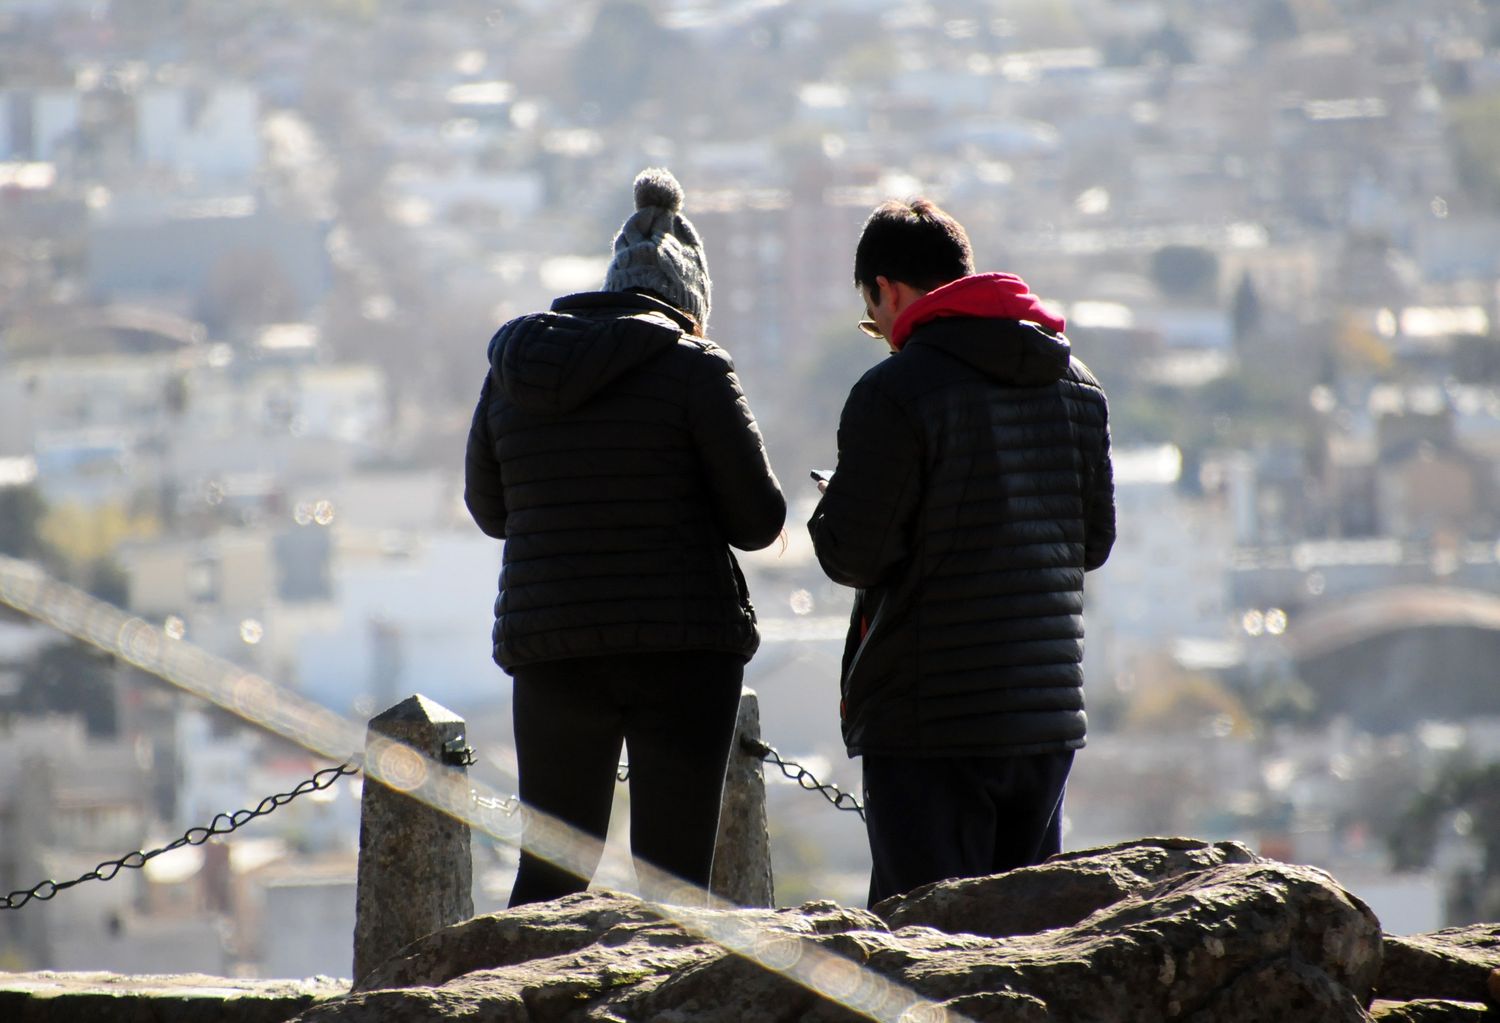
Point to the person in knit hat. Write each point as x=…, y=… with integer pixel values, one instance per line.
x=614, y=453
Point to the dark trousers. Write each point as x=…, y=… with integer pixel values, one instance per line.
x=933, y=818
x=675, y=713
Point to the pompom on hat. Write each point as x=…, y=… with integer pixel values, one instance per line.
x=657, y=248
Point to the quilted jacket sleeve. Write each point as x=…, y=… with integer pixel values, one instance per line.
x=862, y=528
x=484, y=494
x=1099, y=501
x=747, y=497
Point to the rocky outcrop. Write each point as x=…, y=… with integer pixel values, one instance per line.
x=1155, y=931
x=1458, y=964
x=181, y=998
x=1431, y=1010
x=1058, y=893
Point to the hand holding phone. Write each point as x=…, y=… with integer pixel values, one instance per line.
x=821, y=478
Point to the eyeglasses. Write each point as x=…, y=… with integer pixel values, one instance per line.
x=869, y=328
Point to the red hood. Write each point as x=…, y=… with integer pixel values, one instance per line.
x=994, y=295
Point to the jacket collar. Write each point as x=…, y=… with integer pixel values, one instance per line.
x=628, y=301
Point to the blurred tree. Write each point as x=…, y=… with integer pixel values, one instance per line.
x=801, y=862
x=1185, y=271
x=70, y=678
x=1476, y=357
x=457, y=333
x=1474, y=144
x=160, y=12
x=80, y=536
x=353, y=10
x=1245, y=311
x=1146, y=415
x=1278, y=696
x=868, y=65
x=176, y=395
x=1359, y=350
x=1273, y=21
x=1469, y=795
x=1179, y=700
x=622, y=58
x=1168, y=45
x=105, y=578
x=247, y=288
x=1262, y=400
x=23, y=511
x=799, y=409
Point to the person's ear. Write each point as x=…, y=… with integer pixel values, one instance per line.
x=882, y=285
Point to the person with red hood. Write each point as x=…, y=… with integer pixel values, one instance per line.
x=973, y=491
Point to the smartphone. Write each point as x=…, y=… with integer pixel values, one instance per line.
x=821, y=475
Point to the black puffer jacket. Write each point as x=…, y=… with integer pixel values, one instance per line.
x=617, y=457
x=973, y=490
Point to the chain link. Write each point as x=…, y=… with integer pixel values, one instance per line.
x=840, y=799
x=222, y=824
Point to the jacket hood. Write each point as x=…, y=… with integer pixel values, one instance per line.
x=1003, y=296
x=993, y=323
x=1013, y=352
x=555, y=361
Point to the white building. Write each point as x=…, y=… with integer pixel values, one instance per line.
x=54, y=122
x=37, y=124
x=1166, y=577
x=437, y=593
x=206, y=135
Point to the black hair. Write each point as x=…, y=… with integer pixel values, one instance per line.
x=914, y=242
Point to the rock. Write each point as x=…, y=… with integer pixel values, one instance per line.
x=1058, y=893
x=48, y=997
x=1303, y=992
x=1224, y=942
x=1457, y=964
x=1187, y=945
x=1430, y=1010
x=505, y=939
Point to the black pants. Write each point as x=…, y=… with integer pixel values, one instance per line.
x=675, y=712
x=932, y=818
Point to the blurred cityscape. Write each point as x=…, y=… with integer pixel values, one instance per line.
x=251, y=255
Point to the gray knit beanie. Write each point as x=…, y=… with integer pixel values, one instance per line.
x=657, y=248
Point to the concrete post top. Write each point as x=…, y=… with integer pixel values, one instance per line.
x=416, y=709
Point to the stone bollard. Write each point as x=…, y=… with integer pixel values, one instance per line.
x=742, y=853
x=415, y=864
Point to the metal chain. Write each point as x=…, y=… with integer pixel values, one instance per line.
x=225, y=823
x=796, y=772
x=222, y=824
x=803, y=777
